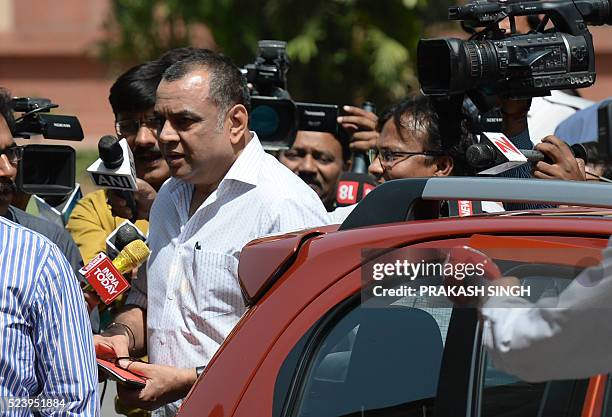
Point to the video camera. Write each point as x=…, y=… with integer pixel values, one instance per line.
x=46, y=170
x=514, y=66
x=275, y=117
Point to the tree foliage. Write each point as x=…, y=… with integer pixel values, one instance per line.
x=342, y=51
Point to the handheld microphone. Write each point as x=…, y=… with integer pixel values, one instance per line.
x=121, y=236
x=115, y=169
x=495, y=153
x=355, y=185
x=105, y=277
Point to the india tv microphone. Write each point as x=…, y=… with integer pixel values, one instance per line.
x=496, y=153
x=106, y=278
x=115, y=169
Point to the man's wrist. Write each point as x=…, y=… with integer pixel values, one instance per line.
x=116, y=328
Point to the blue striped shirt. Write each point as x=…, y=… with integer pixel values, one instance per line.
x=46, y=345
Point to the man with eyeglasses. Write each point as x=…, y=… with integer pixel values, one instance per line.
x=10, y=155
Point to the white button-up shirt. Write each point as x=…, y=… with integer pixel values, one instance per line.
x=570, y=341
x=191, y=290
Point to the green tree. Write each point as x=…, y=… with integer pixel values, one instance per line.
x=342, y=51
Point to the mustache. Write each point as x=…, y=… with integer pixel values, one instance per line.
x=7, y=186
x=139, y=152
x=310, y=179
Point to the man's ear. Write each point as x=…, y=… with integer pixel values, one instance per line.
x=237, y=119
x=444, y=166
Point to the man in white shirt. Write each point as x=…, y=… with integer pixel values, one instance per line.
x=225, y=192
x=571, y=340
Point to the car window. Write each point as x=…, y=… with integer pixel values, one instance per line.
x=508, y=396
x=383, y=358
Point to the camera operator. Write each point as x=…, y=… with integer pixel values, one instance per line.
x=10, y=155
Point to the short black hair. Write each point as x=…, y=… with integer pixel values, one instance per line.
x=445, y=133
x=228, y=86
x=134, y=90
x=6, y=109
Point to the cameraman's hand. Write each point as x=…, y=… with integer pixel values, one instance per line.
x=514, y=115
x=564, y=167
x=143, y=197
x=361, y=127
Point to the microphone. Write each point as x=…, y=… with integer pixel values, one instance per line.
x=355, y=185
x=496, y=153
x=121, y=236
x=115, y=169
x=105, y=277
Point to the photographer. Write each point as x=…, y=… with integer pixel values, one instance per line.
x=11, y=155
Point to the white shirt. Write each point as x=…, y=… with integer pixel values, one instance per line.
x=547, y=112
x=191, y=289
x=571, y=340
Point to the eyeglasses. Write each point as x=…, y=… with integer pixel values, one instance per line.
x=130, y=127
x=389, y=158
x=14, y=154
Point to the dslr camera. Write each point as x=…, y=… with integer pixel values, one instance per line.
x=493, y=62
x=274, y=116
x=46, y=170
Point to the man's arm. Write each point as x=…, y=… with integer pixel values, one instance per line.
x=571, y=340
x=65, y=359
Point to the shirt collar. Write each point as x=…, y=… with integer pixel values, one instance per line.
x=248, y=164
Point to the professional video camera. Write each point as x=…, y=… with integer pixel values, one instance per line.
x=46, y=170
x=275, y=117
x=514, y=66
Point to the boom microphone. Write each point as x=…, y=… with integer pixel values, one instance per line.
x=106, y=276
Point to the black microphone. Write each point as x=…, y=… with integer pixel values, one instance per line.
x=126, y=234
x=115, y=170
x=484, y=156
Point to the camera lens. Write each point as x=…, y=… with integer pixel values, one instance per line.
x=264, y=120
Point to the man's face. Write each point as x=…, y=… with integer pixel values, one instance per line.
x=406, y=166
x=316, y=157
x=140, y=131
x=197, y=151
x=8, y=170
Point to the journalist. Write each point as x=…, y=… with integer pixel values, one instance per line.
x=11, y=155
x=318, y=158
x=224, y=192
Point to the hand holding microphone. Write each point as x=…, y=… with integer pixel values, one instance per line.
x=564, y=163
x=143, y=200
x=105, y=277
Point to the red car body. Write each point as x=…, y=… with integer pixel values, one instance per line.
x=290, y=283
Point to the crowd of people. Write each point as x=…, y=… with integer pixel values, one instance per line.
x=206, y=187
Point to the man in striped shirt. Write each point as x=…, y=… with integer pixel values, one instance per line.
x=47, y=363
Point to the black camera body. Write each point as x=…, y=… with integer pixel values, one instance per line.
x=514, y=66
x=275, y=117
x=46, y=170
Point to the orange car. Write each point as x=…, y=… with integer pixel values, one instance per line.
x=312, y=343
